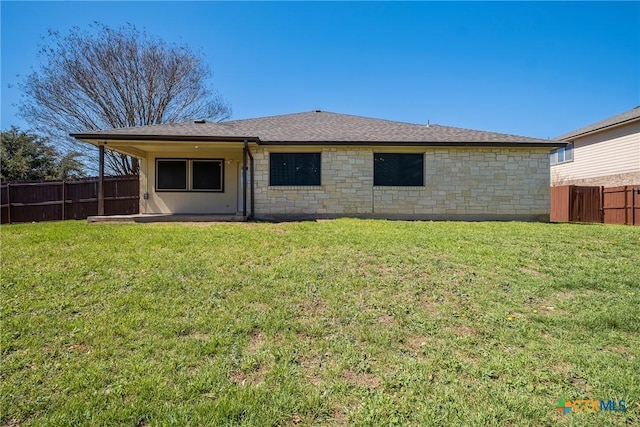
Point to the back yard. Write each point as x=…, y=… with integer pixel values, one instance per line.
x=332, y=322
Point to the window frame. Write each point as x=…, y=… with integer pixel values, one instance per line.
x=316, y=154
x=207, y=190
x=376, y=155
x=186, y=175
x=555, y=154
x=189, y=175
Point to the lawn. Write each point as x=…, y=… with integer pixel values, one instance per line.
x=345, y=322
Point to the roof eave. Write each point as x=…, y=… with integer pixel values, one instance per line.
x=88, y=137
x=572, y=136
x=97, y=138
x=551, y=144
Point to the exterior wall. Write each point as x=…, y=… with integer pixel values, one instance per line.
x=460, y=183
x=191, y=202
x=609, y=158
x=617, y=180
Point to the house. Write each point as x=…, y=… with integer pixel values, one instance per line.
x=606, y=153
x=320, y=164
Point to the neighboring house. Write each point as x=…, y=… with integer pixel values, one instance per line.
x=320, y=164
x=606, y=153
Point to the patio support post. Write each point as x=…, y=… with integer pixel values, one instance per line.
x=101, y=181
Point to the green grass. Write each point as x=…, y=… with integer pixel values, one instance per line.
x=347, y=322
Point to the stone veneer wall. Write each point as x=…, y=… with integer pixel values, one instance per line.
x=460, y=183
x=618, y=180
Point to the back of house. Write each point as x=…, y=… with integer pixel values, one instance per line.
x=319, y=164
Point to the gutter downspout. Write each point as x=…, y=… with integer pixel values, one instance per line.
x=253, y=205
x=248, y=152
x=245, y=148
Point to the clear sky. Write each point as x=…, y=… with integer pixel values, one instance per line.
x=538, y=69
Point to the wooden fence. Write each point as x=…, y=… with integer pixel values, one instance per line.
x=621, y=205
x=73, y=199
x=613, y=205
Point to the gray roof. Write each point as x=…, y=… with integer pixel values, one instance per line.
x=315, y=128
x=627, y=116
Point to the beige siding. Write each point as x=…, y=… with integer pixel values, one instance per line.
x=471, y=183
x=611, y=153
x=191, y=202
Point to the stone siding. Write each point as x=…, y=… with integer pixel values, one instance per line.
x=617, y=180
x=460, y=183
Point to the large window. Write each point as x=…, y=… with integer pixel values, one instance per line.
x=294, y=169
x=561, y=155
x=190, y=175
x=172, y=175
x=206, y=175
x=394, y=169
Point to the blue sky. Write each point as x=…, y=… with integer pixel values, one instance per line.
x=530, y=68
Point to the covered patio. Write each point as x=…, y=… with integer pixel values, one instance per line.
x=183, y=178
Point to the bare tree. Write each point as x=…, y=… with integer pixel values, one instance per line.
x=114, y=78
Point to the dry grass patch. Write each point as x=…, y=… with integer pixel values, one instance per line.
x=256, y=341
x=251, y=378
x=362, y=379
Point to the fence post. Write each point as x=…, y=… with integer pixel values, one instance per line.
x=602, y=204
x=633, y=206
x=8, y=203
x=626, y=206
x=64, y=201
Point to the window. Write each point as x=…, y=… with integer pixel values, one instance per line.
x=294, y=169
x=207, y=175
x=393, y=169
x=561, y=155
x=190, y=175
x=568, y=152
x=172, y=175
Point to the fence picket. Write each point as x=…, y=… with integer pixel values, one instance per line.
x=39, y=201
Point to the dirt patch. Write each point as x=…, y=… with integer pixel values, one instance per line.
x=249, y=378
x=529, y=269
x=262, y=307
x=295, y=419
x=571, y=294
x=466, y=357
x=429, y=305
x=340, y=416
x=314, y=307
x=280, y=231
x=313, y=365
x=463, y=330
x=257, y=340
x=79, y=348
x=363, y=379
x=580, y=383
x=620, y=349
x=562, y=367
x=201, y=336
x=417, y=342
x=387, y=320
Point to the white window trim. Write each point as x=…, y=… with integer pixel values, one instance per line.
x=553, y=155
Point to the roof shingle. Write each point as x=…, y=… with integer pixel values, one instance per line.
x=627, y=116
x=316, y=127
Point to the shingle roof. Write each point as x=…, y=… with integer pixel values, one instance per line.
x=619, y=119
x=314, y=127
